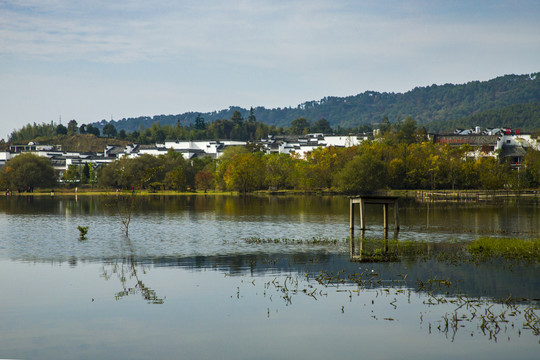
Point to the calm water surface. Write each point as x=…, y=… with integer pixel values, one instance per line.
x=186, y=283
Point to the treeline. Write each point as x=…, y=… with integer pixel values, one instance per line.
x=234, y=128
x=45, y=131
x=370, y=166
x=364, y=168
x=435, y=104
x=517, y=116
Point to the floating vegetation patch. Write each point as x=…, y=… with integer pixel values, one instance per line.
x=508, y=248
x=287, y=241
x=391, y=250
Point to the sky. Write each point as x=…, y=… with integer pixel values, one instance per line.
x=102, y=59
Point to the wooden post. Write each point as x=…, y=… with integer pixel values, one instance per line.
x=385, y=216
x=396, y=214
x=362, y=223
x=351, y=216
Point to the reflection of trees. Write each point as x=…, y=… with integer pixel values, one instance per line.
x=124, y=206
x=127, y=270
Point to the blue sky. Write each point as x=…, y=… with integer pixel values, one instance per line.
x=93, y=60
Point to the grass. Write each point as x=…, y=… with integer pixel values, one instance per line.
x=98, y=191
x=509, y=248
x=381, y=250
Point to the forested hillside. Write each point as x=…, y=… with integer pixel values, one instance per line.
x=511, y=99
x=518, y=116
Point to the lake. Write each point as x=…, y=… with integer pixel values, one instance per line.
x=263, y=277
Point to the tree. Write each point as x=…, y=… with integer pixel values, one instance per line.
x=90, y=129
x=244, y=173
x=61, y=130
x=280, y=171
x=86, y=173
x=532, y=167
x=72, y=175
x=122, y=134
x=72, y=127
x=28, y=171
x=363, y=174
x=251, y=118
x=299, y=126
x=406, y=131
x=237, y=118
x=109, y=130
x=204, y=180
x=176, y=179
x=490, y=173
x=199, y=123
x=321, y=126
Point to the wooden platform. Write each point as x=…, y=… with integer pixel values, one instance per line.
x=384, y=200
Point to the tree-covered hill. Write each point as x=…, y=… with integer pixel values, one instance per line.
x=435, y=104
x=517, y=116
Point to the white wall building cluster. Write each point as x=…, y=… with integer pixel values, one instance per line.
x=490, y=142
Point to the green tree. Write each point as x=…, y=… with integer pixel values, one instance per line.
x=299, y=126
x=28, y=171
x=90, y=129
x=490, y=173
x=406, y=131
x=251, y=118
x=532, y=167
x=85, y=178
x=280, y=171
x=176, y=179
x=61, y=130
x=321, y=126
x=72, y=127
x=73, y=174
x=237, y=118
x=109, y=130
x=199, y=123
x=363, y=174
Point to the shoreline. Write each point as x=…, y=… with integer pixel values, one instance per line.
x=430, y=195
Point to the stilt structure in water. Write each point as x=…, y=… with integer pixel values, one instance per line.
x=356, y=245
x=371, y=199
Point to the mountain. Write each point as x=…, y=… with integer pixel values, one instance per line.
x=431, y=106
x=517, y=116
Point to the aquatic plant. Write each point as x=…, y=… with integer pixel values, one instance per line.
x=83, y=230
x=485, y=248
x=288, y=241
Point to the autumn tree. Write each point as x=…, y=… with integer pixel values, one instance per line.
x=204, y=180
x=245, y=173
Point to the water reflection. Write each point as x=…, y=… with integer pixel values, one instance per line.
x=302, y=289
x=127, y=270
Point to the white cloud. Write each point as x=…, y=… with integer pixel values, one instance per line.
x=191, y=54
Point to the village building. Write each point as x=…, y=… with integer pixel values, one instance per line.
x=503, y=143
